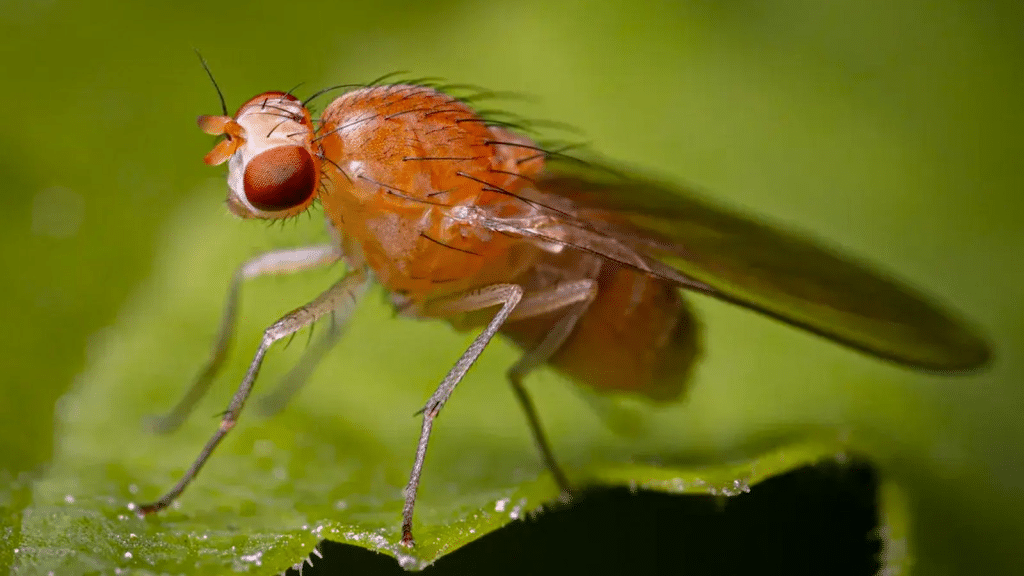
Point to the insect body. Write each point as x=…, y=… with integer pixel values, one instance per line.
x=470, y=222
x=422, y=172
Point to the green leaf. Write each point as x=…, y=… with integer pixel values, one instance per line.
x=334, y=463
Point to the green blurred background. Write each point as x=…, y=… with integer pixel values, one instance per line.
x=894, y=131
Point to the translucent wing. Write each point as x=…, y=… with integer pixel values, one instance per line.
x=734, y=258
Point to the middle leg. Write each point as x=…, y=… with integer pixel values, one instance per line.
x=513, y=307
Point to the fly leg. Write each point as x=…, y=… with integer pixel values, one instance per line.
x=291, y=323
x=576, y=297
x=508, y=296
x=513, y=306
x=297, y=377
x=285, y=261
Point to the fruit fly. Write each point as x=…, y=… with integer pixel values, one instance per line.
x=468, y=221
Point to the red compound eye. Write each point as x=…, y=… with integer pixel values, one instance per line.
x=280, y=178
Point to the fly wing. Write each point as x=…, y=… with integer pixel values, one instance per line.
x=680, y=238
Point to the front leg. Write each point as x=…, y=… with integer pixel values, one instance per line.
x=329, y=300
x=299, y=375
x=286, y=261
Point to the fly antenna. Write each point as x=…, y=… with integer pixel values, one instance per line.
x=223, y=105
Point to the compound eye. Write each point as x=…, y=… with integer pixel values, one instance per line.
x=281, y=178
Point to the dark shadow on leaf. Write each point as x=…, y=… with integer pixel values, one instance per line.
x=814, y=520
